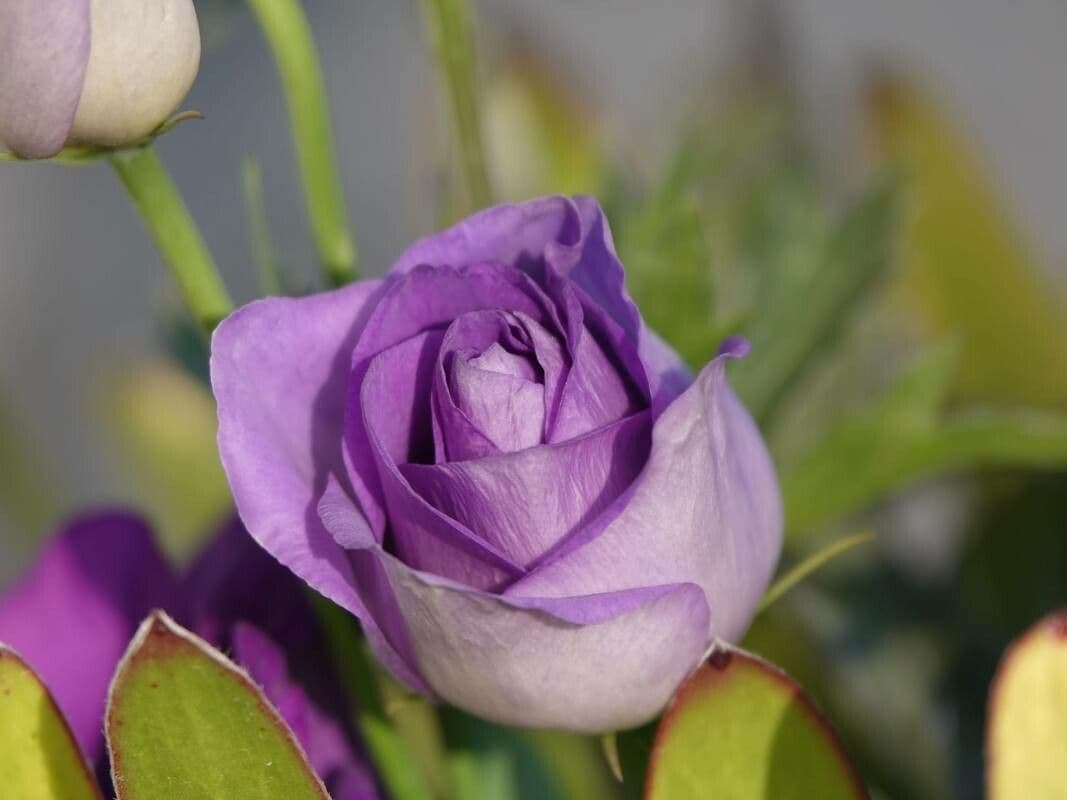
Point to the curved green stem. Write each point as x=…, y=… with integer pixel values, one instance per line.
x=161, y=207
x=288, y=33
x=448, y=25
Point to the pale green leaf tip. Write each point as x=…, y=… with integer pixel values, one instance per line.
x=158, y=624
x=609, y=745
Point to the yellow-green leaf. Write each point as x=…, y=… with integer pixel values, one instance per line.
x=967, y=267
x=39, y=758
x=183, y=721
x=740, y=729
x=1027, y=738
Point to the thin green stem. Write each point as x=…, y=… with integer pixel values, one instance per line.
x=448, y=25
x=161, y=207
x=267, y=265
x=288, y=33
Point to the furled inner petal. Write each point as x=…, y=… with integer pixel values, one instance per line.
x=426, y=298
x=498, y=373
x=508, y=408
x=605, y=381
x=526, y=502
x=395, y=404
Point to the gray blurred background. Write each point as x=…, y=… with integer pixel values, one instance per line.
x=81, y=286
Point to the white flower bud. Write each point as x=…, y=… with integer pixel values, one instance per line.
x=143, y=58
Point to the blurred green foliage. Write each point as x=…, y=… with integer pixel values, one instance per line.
x=967, y=268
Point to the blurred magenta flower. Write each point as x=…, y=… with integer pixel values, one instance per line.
x=95, y=72
x=72, y=616
x=535, y=511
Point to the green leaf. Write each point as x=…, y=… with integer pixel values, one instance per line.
x=901, y=438
x=39, y=758
x=478, y=775
x=1028, y=716
x=967, y=267
x=809, y=285
x=740, y=729
x=183, y=721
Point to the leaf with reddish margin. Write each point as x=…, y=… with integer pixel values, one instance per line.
x=741, y=729
x=183, y=721
x=39, y=757
x=1026, y=739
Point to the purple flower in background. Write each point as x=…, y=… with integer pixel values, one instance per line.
x=534, y=510
x=101, y=72
x=73, y=614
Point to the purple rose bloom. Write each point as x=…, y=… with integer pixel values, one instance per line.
x=534, y=510
x=73, y=614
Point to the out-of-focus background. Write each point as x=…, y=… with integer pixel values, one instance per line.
x=763, y=122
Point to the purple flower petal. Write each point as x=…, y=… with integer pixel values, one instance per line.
x=706, y=510
x=228, y=581
x=573, y=237
x=473, y=423
x=597, y=269
x=328, y=749
x=507, y=407
x=524, y=503
x=44, y=49
x=395, y=400
x=493, y=655
x=515, y=235
x=419, y=301
x=72, y=615
x=278, y=370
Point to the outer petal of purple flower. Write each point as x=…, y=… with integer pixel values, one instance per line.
x=706, y=510
x=323, y=740
x=44, y=49
x=278, y=371
x=587, y=663
x=72, y=615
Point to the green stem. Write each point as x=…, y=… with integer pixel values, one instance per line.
x=179, y=241
x=270, y=273
x=288, y=33
x=448, y=25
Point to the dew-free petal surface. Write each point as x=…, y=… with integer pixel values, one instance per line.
x=44, y=49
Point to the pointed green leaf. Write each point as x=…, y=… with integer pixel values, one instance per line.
x=901, y=438
x=183, y=721
x=966, y=264
x=740, y=729
x=39, y=758
x=1028, y=717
